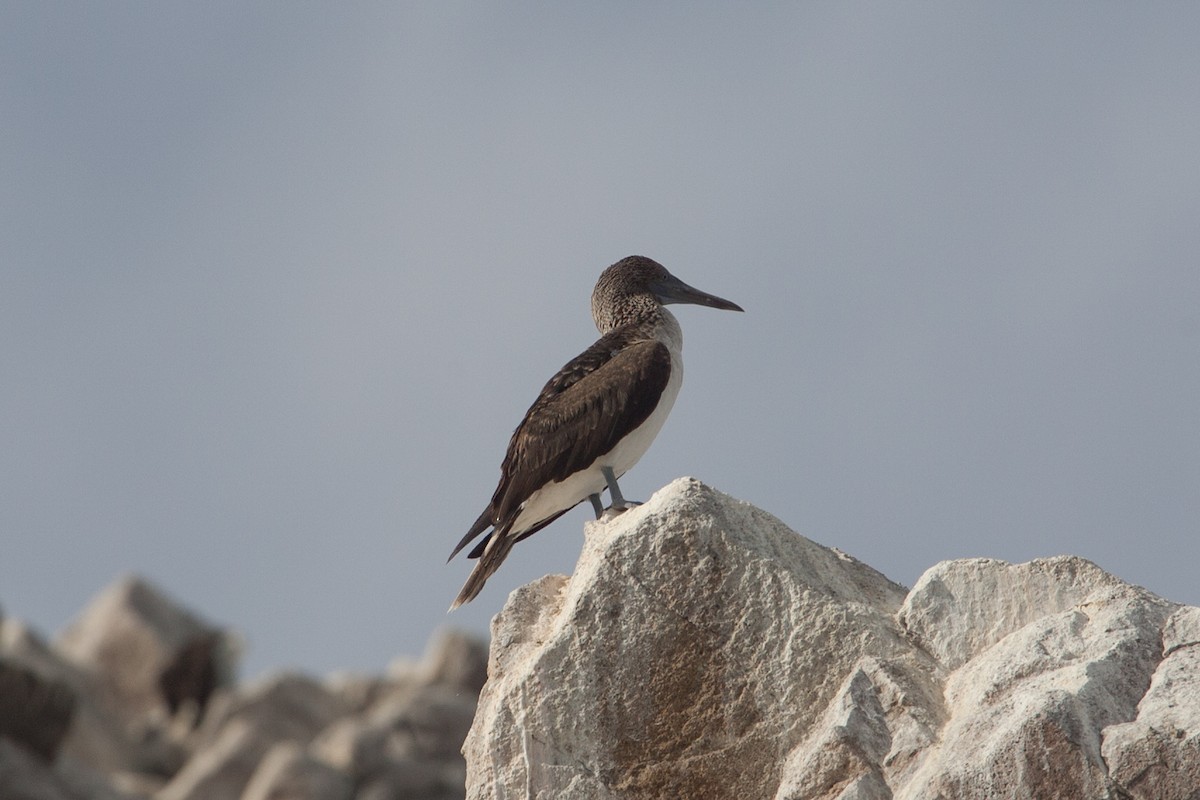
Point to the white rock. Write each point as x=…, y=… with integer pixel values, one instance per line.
x=134, y=655
x=1157, y=755
x=871, y=734
x=959, y=608
x=701, y=649
x=357, y=691
x=1027, y=712
x=669, y=665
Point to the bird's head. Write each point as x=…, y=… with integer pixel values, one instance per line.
x=637, y=283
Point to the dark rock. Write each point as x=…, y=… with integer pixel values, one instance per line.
x=97, y=736
x=25, y=776
x=192, y=674
x=34, y=711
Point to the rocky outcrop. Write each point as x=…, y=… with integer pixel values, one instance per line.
x=1157, y=754
x=703, y=650
x=137, y=700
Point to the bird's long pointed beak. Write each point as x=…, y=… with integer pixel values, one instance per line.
x=676, y=291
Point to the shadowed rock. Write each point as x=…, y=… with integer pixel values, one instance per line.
x=192, y=673
x=34, y=710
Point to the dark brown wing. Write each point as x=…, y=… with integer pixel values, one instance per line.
x=565, y=431
x=584, y=410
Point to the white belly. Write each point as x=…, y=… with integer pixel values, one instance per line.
x=561, y=495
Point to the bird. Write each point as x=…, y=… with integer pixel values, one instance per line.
x=594, y=419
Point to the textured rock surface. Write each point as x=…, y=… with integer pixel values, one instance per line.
x=135, y=701
x=702, y=649
x=1157, y=755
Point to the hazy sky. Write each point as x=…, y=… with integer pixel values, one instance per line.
x=278, y=280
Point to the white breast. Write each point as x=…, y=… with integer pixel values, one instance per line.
x=554, y=497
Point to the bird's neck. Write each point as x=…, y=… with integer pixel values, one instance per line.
x=656, y=324
x=666, y=330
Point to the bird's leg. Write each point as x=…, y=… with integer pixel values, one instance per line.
x=596, y=504
x=619, y=503
x=614, y=491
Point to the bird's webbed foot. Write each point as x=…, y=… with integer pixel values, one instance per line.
x=619, y=503
x=613, y=511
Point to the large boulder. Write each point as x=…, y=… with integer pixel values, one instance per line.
x=698, y=642
x=1056, y=651
x=702, y=649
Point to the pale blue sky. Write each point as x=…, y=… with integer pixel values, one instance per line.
x=278, y=280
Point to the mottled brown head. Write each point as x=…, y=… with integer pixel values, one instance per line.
x=633, y=289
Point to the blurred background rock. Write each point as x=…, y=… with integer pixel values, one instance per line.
x=138, y=698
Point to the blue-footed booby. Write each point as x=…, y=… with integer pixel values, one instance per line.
x=595, y=418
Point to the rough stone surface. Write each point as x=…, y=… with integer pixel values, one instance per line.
x=1028, y=713
x=1156, y=756
x=702, y=649
x=668, y=665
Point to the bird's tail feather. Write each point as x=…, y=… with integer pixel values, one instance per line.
x=484, y=522
x=489, y=561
